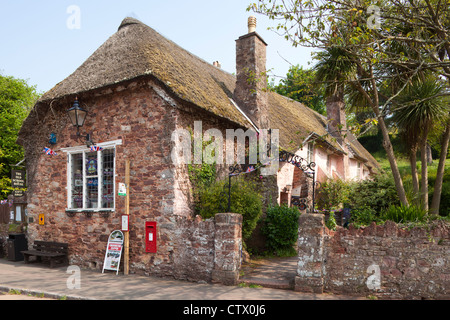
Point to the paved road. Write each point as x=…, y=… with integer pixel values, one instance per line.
x=37, y=279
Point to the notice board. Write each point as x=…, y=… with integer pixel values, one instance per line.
x=113, y=251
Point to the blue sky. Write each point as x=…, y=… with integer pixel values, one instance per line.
x=37, y=45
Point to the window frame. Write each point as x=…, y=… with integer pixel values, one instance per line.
x=310, y=152
x=84, y=150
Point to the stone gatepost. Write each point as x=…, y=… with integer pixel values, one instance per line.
x=311, y=235
x=227, y=247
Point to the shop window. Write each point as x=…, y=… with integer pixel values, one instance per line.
x=91, y=183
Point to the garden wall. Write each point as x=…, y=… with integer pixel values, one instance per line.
x=387, y=261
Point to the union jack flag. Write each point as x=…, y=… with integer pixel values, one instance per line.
x=250, y=169
x=96, y=148
x=49, y=151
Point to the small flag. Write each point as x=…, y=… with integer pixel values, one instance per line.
x=250, y=169
x=96, y=148
x=49, y=151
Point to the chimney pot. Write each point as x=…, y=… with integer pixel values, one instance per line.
x=251, y=24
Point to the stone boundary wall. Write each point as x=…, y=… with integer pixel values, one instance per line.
x=208, y=250
x=386, y=261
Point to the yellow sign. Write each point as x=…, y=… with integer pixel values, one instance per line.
x=41, y=219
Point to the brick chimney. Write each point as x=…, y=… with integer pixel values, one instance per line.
x=336, y=122
x=337, y=127
x=251, y=81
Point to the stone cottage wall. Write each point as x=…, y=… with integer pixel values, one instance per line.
x=386, y=260
x=143, y=116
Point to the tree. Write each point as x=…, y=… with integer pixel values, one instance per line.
x=421, y=106
x=300, y=85
x=16, y=100
x=334, y=67
x=367, y=30
x=434, y=209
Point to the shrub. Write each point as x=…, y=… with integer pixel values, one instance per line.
x=363, y=216
x=378, y=194
x=281, y=229
x=331, y=222
x=244, y=200
x=332, y=194
x=401, y=214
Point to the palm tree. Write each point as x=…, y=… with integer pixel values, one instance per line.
x=418, y=108
x=334, y=68
x=434, y=209
x=344, y=75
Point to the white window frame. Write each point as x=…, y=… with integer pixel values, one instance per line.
x=84, y=149
x=310, y=152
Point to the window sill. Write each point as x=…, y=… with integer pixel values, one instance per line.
x=89, y=212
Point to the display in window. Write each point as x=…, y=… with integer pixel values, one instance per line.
x=91, y=167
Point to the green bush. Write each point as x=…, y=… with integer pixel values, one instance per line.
x=281, y=229
x=363, y=216
x=245, y=200
x=402, y=214
x=331, y=222
x=332, y=194
x=378, y=193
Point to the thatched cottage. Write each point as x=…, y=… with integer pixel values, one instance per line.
x=138, y=87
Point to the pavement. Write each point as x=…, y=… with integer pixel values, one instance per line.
x=277, y=273
x=61, y=283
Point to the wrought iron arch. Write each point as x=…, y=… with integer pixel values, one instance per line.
x=308, y=169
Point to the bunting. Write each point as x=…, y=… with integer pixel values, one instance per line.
x=96, y=148
x=50, y=151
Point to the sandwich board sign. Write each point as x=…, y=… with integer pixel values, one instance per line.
x=113, y=251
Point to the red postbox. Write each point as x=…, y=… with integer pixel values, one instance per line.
x=150, y=236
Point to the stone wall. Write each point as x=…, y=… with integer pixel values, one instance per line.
x=387, y=261
x=200, y=250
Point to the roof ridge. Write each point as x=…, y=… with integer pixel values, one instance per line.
x=128, y=21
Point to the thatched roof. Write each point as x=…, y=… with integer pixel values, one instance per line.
x=137, y=50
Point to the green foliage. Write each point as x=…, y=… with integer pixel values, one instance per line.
x=245, y=200
x=201, y=177
x=363, y=216
x=331, y=222
x=16, y=100
x=367, y=199
x=378, y=193
x=281, y=229
x=401, y=214
x=300, y=85
x=332, y=194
